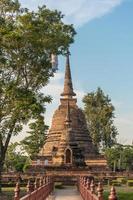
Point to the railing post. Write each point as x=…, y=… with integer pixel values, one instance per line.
x=17, y=191
x=29, y=187
x=47, y=179
x=41, y=182
x=84, y=187
x=100, y=191
x=36, y=184
x=88, y=184
x=92, y=187
x=44, y=180
x=112, y=195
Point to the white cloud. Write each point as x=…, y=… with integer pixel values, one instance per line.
x=77, y=12
x=117, y=104
x=54, y=88
x=124, y=123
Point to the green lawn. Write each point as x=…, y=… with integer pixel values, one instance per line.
x=121, y=196
x=123, y=193
x=8, y=193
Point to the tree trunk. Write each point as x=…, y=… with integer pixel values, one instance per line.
x=3, y=150
x=2, y=159
x=1, y=169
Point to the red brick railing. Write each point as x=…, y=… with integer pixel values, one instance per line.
x=39, y=190
x=89, y=191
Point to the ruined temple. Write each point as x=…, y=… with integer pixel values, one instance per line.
x=68, y=141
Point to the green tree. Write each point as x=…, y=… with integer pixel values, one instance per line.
x=120, y=157
x=127, y=158
x=37, y=135
x=99, y=113
x=15, y=159
x=113, y=156
x=27, y=40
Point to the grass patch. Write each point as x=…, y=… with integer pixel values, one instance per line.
x=8, y=193
x=123, y=193
x=59, y=185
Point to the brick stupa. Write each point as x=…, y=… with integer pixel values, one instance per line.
x=68, y=141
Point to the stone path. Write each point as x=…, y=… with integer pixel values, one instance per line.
x=68, y=193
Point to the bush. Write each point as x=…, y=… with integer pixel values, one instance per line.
x=122, y=180
x=59, y=186
x=9, y=184
x=115, y=183
x=130, y=182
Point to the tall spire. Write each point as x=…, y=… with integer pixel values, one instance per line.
x=68, y=86
x=68, y=118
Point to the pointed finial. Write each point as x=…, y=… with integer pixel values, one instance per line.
x=88, y=184
x=30, y=187
x=92, y=186
x=17, y=191
x=112, y=195
x=100, y=191
x=68, y=86
x=36, y=184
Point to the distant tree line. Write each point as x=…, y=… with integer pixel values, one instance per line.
x=120, y=157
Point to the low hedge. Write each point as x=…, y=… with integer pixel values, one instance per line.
x=130, y=182
x=122, y=180
x=116, y=183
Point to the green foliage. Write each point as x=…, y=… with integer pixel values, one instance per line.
x=120, y=157
x=34, y=142
x=27, y=40
x=122, y=180
x=115, y=183
x=15, y=159
x=127, y=157
x=120, y=195
x=27, y=164
x=99, y=113
x=59, y=185
x=130, y=182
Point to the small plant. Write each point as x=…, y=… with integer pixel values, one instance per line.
x=59, y=185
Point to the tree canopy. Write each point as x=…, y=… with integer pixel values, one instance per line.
x=120, y=157
x=36, y=138
x=99, y=113
x=27, y=40
x=15, y=158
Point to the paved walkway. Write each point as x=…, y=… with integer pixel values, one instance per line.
x=68, y=193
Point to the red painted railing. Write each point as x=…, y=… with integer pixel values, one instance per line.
x=37, y=191
x=89, y=191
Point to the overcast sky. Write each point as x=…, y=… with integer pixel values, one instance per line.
x=102, y=55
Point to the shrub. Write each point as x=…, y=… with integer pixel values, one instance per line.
x=130, y=182
x=122, y=180
x=115, y=183
x=59, y=186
